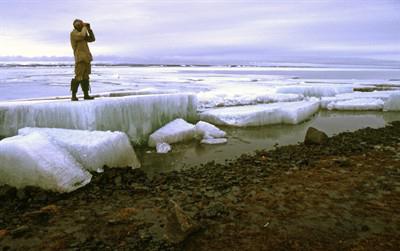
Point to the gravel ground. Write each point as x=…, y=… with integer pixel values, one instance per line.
x=341, y=195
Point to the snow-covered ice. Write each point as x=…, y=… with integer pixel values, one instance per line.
x=243, y=95
x=137, y=116
x=175, y=131
x=92, y=149
x=363, y=104
x=264, y=114
x=35, y=160
x=358, y=100
x=392, y=103
x=316, y=90
x=207, y=130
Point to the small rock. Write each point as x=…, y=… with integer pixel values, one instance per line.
x=215, y=210
x=342, y=162
x=7, y=192
x=21, y=195
x=179, y=225
x=3, y=233
x=118, y=180
x=364, y=228
x=20, y=231
x=315, y=137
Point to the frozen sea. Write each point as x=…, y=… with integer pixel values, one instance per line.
x=223, y=86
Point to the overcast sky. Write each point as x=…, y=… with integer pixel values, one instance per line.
x=206, y=30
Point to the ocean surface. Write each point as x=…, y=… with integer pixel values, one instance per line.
x=26, y=81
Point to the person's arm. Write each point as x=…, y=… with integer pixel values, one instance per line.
x=91, y=37
x=79, y=36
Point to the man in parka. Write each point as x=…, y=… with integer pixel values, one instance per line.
x=80, y=36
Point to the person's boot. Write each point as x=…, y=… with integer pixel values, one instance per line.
x=85, y=88
x=74, y=89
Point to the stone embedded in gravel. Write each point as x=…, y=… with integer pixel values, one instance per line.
x=7, y=192
x=315, y=137
x=20, y=231
x=179, y=225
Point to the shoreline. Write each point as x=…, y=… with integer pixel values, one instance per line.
x=340, y=195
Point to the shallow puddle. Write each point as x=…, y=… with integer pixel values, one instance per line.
x=248, y=140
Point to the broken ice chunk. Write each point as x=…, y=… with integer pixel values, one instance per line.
x=175, y=131
x=35, y=160
x=207, y=130
x=92, y=149
x=163, y=147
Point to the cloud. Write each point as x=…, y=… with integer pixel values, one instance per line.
x=207, y=29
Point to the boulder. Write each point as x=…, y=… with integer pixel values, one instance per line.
x=315, y=137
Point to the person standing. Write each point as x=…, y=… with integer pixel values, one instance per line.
x=80, y=37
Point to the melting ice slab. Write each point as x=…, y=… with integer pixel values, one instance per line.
x=92, y=149
x=137, y=116
x=315, y=90
x=357, y=104
x=265, y=114
x=376, y=100
x=35, y=160
x=392, y=103
x=175, y=131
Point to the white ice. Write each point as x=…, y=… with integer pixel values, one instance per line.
x=163, y=147
x=392, y=103
x=242, y=95
x=207, y=130
x=265, y=114
x=173, y=132
x=92, y=149
x=316, y=90
x=35, y=160
x=213, y=141
x=137, y=116
x=358, y=100
x=365, y=104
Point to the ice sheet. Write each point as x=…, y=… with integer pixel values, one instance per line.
x=35, y=160
x=92, y=149
x=175, y=131
x=316, y=90
x=243, y=95
x=137, y=116
x=358, y=96
x=265, y=114
x=392, y=103
x=359, y=104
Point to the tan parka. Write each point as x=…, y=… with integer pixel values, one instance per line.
x=79, y=43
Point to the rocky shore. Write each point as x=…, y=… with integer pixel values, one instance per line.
x=343, y=194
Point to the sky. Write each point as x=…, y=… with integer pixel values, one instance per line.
x=207, y=30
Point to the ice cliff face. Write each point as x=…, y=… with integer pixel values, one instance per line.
x=137, y=116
